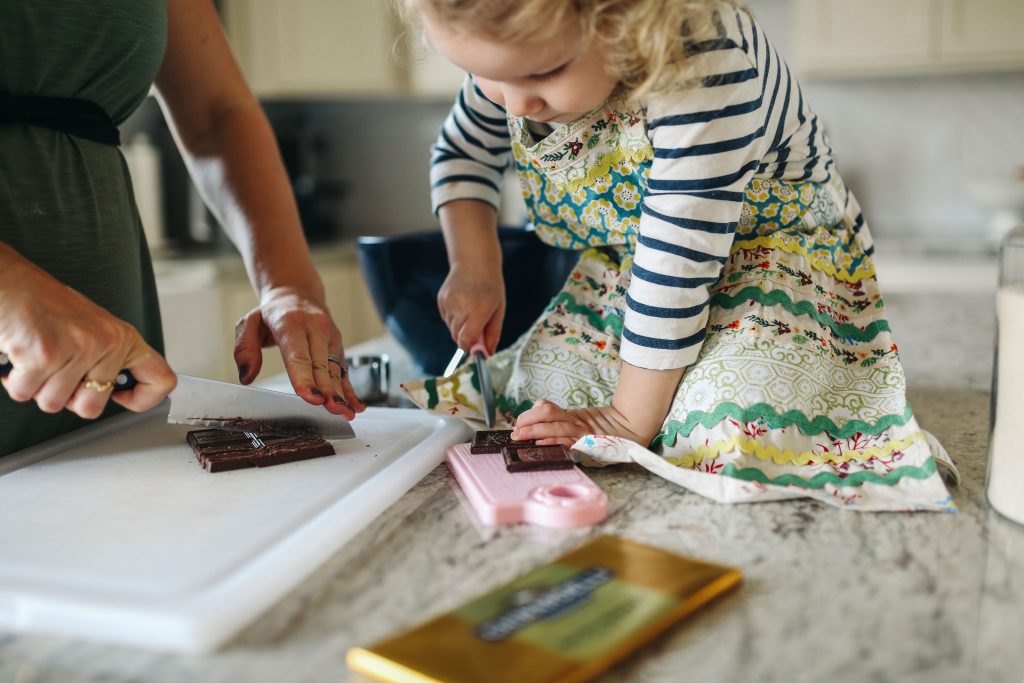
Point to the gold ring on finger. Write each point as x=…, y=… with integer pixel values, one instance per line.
x=101, y=387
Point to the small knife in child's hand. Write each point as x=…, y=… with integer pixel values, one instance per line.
x=479, y=353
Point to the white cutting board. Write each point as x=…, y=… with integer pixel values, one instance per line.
x=116, y=533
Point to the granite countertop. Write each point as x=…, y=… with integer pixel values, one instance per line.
x=828, y=594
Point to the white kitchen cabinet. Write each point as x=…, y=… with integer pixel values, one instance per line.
x=315, y=48
x=870, y=38
x=333, y=48
x=200, y=301
x=862, y=36
x=192, y=316
x=983, y=32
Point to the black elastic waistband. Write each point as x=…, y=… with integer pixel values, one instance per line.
x=80, y=118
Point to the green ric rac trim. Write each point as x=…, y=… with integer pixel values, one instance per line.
x=775, y=420
x=430, y=386
x=822, y=479
x=508, y=405
x=612, y=322
x=474, y=377
x=778, y=297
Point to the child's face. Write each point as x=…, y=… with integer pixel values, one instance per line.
x=551, y=81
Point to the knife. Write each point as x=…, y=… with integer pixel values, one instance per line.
x=479, y=353
x=454, y=363
x=125, y=379
x=208, y=403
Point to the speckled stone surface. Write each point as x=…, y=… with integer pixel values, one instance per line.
x=829, y=595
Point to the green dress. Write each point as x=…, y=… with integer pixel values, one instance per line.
x=66, y=204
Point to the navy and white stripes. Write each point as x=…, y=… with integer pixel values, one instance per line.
x=472, y=150
x=747, y=119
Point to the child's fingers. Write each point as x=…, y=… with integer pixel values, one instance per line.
x=248, y=346
x=540, y=412
x=567, y=442
x=546, y=420
x=492, y=332
x=472, y=333
x=545, y=431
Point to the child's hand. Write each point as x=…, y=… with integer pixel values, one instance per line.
x=551, y=424
x=472, y=305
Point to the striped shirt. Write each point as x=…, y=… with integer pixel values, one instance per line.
x=747, y=119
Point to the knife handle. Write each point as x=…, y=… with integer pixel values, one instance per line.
x=125, y=379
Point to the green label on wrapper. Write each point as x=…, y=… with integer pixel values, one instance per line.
x=571, y=612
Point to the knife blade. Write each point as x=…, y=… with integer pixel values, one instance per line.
x=209, y=403
x=453, y=364
x=204, y=402
x=479, y=353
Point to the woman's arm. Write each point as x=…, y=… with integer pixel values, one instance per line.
x=230, y=150
x=467, y=164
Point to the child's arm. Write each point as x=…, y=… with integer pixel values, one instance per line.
x=472, y=298
x=466, y=168
x=642, y=400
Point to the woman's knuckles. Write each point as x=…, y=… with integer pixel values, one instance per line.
x=50, y=404
x=16, y=391
x=89, y=411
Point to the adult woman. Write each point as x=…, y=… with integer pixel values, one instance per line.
x=77, y=293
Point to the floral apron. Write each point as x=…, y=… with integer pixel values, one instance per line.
x=798, y=390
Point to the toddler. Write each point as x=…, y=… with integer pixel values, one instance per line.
x=723, y=326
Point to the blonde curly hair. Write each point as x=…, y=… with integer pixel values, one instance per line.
x=644, y=42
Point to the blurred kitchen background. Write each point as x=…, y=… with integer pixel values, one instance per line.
x=923, y=101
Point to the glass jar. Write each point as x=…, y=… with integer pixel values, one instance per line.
x=1005, y=483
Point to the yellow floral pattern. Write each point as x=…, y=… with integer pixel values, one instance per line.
x=591, y=174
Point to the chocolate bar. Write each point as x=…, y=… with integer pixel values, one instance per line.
x=274, y=427
x=494, y=440
x=218, y=450
x=537, y=458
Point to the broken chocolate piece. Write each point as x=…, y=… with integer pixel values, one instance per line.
x=537, y=458
x=218, y=450
x=494, y=440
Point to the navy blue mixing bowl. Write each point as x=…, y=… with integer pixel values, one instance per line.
x=404, y=274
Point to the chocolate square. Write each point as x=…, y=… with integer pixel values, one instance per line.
x=219, y=450
x=537, y=458
x=492, y=441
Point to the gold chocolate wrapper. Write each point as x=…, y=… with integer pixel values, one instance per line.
x=568, y=620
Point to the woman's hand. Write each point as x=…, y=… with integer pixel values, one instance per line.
x=305, y=333
x=472, y=305
x=58, y=340
x=550, y=424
